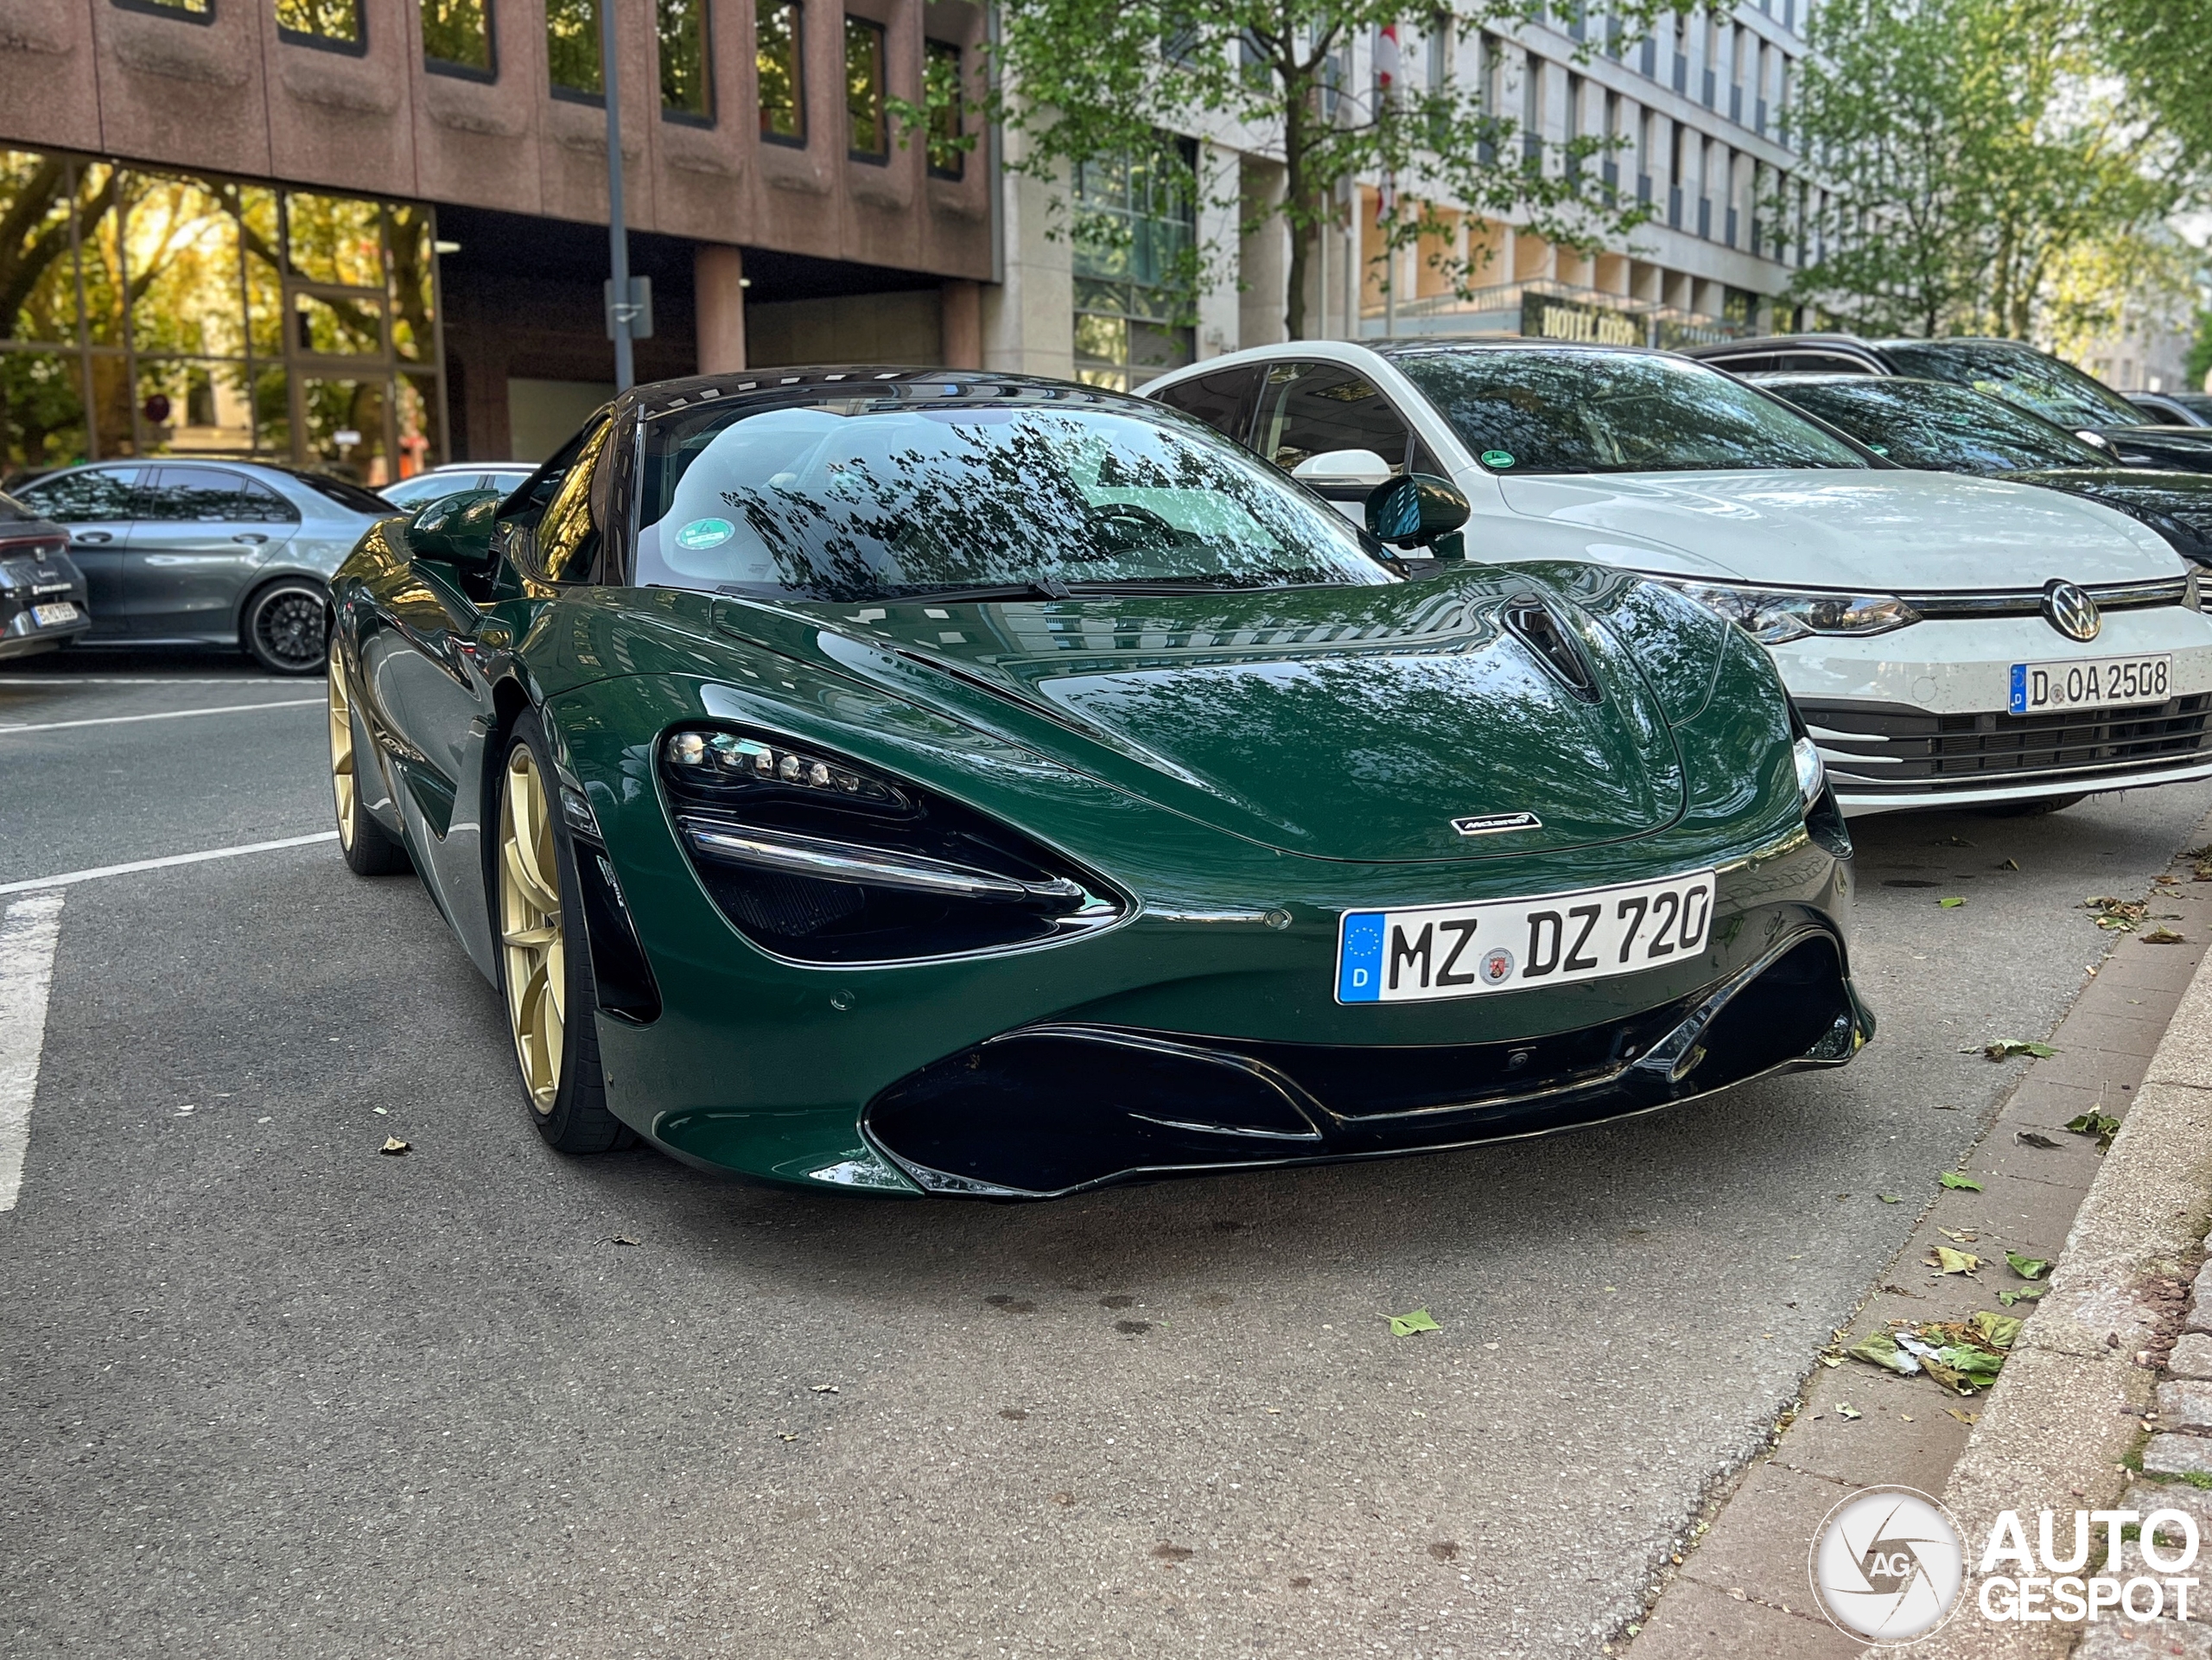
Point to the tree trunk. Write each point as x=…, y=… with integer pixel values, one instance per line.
x=1293, y=200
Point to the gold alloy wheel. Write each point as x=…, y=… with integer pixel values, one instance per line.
x=530, y=928
x=342, y=751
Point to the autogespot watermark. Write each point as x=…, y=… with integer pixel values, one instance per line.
x=1889, y=1566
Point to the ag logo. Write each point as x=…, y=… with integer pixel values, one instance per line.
x=1887, y=1566
x=1497, y=966
x=2071, y=611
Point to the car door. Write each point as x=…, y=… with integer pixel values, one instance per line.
x=436, y=640
x=199, y=535
x=95, y=505
x=1309, y=409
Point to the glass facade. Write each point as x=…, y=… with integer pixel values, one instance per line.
x=867, y=135
x=687, y=90
x=572, y=48
x=146, y=313
x=777, y=40
x=1136, y=233
x=457, y=37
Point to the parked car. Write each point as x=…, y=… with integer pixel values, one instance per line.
x=2174, y=408
x=1950, y=641
x=863, y=758
x=503, y=476
x=188, y=552
x=2012, y=370
x=41, y=592
x=1948, y=428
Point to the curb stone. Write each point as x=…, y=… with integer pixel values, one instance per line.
x=2071, y=1408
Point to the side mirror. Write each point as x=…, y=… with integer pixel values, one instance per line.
x=1357, y=466
x=455, y=529
x=1416, y=510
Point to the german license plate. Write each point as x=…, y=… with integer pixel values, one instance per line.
x=1464, y=951
x=2091, y=682
x=47, y=615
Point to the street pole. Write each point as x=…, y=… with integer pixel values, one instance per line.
x=617, y=234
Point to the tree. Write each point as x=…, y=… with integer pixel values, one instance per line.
x=1975, y=158
x=1089, y=82
x=2163, y=48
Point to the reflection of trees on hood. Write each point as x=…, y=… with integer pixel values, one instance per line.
x=997, y=500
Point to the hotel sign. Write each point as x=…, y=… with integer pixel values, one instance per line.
x=1547, y=317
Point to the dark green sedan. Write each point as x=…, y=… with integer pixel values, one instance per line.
x=909, y=783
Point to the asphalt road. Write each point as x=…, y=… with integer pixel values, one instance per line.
x=264, y=1391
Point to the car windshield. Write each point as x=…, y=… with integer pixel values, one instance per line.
x=1582, y=411
x=1924, y=424
x=2019, y=374
x=2197, y=403
x=865, y=497
x=344, y=492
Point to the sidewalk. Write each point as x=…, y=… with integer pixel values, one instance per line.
x=2068, y=1406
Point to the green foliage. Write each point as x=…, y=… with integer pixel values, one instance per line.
x=2163, y=48
x=1976, y=157
x=1086, y=82
x=2200, y=349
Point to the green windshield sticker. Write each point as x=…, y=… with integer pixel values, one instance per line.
x=705, y=533
x=1497, y=458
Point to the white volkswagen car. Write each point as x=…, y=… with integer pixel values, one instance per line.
x=1950, y=641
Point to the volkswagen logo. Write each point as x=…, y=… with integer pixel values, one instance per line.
x=2071, y=611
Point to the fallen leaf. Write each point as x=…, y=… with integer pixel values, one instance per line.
x=1890, y=1199
x=786, y=1438
x=379, y=1111
x=1831, y=1360
x=1952, y=1178
x=1960, y=1236
x=1905, y=1417
x=1956, y=1262
x=624, y=1239
x=2166, y=880
x=2119, y=915
x=2010, y=864
x=394, y=1146
x=1951, y=904
x=2028, y=1268
x=1845, y=1409
x=2102, y=1125
x=1407, y=1325
x=1997, y=1330
x=2034, y=1138
x=2162, y=935
x=2024, y=1293
x=823, y=1388
x=1969, y=1419
x=2002, y=1048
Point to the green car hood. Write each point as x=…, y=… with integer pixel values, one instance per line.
x=1339, y=722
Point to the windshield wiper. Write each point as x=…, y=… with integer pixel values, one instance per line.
x=1043, y=588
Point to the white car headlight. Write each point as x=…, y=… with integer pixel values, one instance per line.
x=1812, y=771
x=1773, y=615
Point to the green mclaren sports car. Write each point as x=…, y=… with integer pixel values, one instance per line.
x=916, y=783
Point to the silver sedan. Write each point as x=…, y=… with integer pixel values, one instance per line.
x=211, y=553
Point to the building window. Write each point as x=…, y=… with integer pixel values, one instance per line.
x=160, y=314
x=572, y=49
x=945, y=89
x=776, y=39
x=687, y=87
x=867, y=135
x=1135, y=229
x=457, y=37
x=334, y=25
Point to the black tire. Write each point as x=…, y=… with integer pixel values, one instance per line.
x=570, y=1109
x=370, y=849
x=2035, y=809
x=286, y=627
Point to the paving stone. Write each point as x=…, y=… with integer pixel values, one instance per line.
x=2115, y=1032
x=1880, y=1449
x=2192, y=1357
x=1697, y=1622
x=2173, y=1455
x=2144, y=1497
x=2073, y=1163
x=2043, y=1103
x=1763, y=1540
x=2185, y=1406
x=2157, y=968
x=2109, y=1638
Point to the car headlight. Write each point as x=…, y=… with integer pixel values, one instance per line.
x=1773, y=615
x=1812, y=771
x=821, y=860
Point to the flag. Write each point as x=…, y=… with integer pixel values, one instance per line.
x=1387, y=60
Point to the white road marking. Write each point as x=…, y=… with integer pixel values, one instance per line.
x=68, y=877
x=147, y=680
x=168, y=715
x=29, y=929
